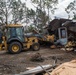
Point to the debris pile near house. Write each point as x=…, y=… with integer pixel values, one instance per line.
x=68, y=68
x=65, y=33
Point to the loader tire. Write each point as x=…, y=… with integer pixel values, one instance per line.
x=35, y=46
x=15, y=47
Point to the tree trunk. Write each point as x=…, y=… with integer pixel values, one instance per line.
x=6, y=15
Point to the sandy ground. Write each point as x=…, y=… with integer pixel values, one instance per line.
x=16, y=63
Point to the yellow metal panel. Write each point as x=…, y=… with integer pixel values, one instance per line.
x=30, y=42
x=0, y=47
x=3, y=44
x=14, y=25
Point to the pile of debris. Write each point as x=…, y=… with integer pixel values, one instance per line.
x=37, y=58
x=68, y=68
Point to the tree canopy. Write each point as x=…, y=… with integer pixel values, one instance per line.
x=71, y=9
x=14, y=11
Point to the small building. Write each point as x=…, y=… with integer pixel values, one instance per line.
x=59, y=27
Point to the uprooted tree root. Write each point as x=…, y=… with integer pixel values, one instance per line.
x=37, y=58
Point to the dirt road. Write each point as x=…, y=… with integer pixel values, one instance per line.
x=16, y=63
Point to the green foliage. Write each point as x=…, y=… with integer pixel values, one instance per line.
x=30, y=28
x=74, y=18
x=30, y=13
x=20, y=12
x=41, y=14
x=17, y=10
x=35, y=1
x=11, y=7
x=42, y=18
x=71, y=8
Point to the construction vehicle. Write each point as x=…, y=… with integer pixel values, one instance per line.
x=15, y=41
x=44, y=37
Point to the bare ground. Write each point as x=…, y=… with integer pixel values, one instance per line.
x=16, y=63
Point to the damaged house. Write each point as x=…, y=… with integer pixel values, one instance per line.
x=63, y=29
x=71, y=29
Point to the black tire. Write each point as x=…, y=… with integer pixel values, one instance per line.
x=12, y=49
x=35, y=46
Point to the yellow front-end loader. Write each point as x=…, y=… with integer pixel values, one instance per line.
x=15, y=41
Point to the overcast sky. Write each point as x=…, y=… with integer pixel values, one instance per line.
x=60, y=12
x=61, y=8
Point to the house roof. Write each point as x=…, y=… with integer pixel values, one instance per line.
x=56, y=23
x=70, y=25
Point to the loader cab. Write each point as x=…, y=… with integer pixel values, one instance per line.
x=16, y=42
x=15, y=32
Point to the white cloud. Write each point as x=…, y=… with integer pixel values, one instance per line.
x=28, y=4
x=64, y=3
x=60, y=12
